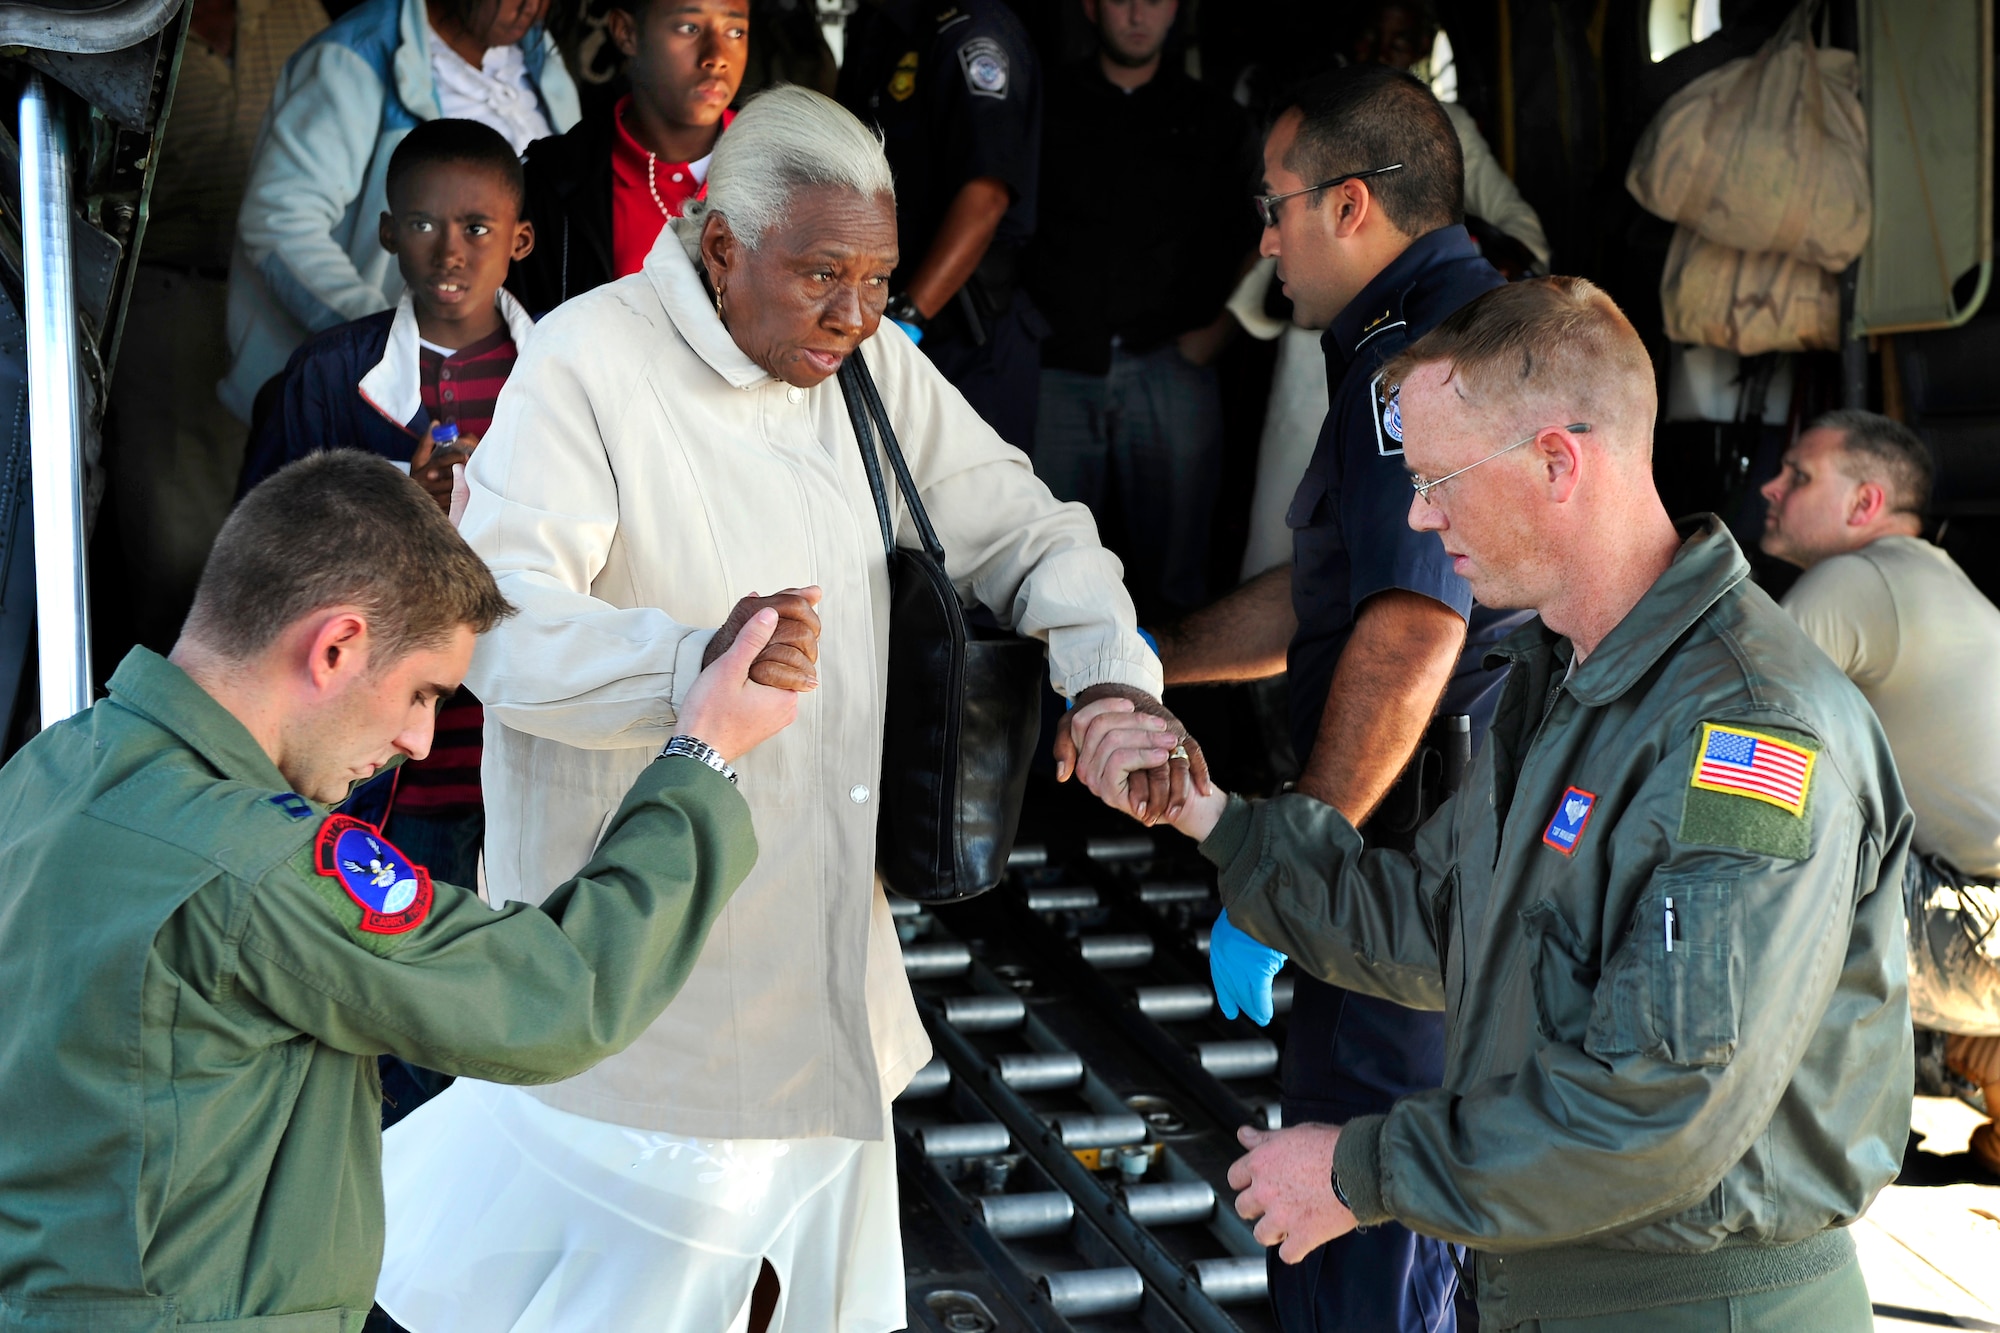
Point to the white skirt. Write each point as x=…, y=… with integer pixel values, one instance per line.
x=507, y=1214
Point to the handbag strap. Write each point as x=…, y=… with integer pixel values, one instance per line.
x=857, y=413
x=856, y=382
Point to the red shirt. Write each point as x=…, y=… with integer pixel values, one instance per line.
x=462, y=387
x=639, y=208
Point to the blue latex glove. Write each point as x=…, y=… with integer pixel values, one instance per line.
x=916, y=334
x=1242, y=970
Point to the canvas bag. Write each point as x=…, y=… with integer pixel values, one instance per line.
x=1766, y=154
x=1747, y=303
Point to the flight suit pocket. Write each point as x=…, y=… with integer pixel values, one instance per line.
x=56, y=1314
x=1674, y=992
x=1564, y=982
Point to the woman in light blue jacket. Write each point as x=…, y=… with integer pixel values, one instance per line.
x=306, y=255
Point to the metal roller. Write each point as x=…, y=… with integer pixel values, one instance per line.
x=1037, y=1071
x=1083, y=1292
x=967, y=1140
x=1272, y=1114
x=940, y=958
x=1201, y=941
x=1174, y=1004
x=984, y=1013
x=1254, y=1058
x=902, y=907
x=1281, y=994
x=1011, y=1216
x=1078, y=1129
x=933, y=1080
x=1232, y=1281
x=1028, y=856
x=1132, y=847
x=1171, y=1204
x=1116, y=950
x=1065, y=898
x=1177, y=891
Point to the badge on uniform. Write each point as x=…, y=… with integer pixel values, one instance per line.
x=1753, y=764
x=903, y=83
x=1751, y=788
x=1388, y=420
x=985, y=64
x=1565, y=828
x=393, y=891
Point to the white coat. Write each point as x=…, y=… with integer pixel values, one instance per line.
x=642, y=474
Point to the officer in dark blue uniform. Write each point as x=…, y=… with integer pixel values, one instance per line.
x=1382, y=634
x=957, y=94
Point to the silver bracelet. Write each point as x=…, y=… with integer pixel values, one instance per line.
x=702, y=752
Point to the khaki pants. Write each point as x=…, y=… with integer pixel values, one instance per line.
x=1836, y=1303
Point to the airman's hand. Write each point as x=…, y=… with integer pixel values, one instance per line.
x=1163, y=792
x=727, y=708
x=790, y=660
x=1286, y=1188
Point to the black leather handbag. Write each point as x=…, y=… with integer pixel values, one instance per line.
x=964, y=705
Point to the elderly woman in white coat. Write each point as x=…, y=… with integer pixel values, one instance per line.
x=665, y=439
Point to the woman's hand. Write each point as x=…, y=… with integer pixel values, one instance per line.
x=1118, y=752
x=730, y=710
x=1164, y=792
x=790, y=660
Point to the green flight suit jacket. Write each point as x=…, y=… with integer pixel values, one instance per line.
x=189, y=1108
x=1678, y=1051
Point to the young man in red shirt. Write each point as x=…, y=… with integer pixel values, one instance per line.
x=599, y=195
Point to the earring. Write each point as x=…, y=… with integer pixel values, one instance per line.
x=718, y=303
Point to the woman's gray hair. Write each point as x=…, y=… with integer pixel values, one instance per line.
x=784, y=140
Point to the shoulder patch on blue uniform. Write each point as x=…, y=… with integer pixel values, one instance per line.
x=1388, y=420
x=1566, y=826
x=985, y=64
x=393, y=892
x=292, y=804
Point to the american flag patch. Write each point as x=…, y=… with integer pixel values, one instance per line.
x=1749, y=763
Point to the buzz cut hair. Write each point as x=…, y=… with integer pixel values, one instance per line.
x=461, y=143
x=341, y=528
x=1885, y=451
x=1556, y=344
x=1365, y=117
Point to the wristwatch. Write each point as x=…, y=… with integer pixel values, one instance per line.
x=904, y=311
x=701, y=752
x=1338, y=1192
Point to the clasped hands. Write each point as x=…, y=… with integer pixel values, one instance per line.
x=790, y=661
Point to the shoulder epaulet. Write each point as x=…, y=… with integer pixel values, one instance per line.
x=236, y=827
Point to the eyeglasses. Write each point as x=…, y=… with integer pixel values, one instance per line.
x=1424, y=488
x=1267, y=204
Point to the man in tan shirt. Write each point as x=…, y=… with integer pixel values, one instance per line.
x=1910, y=629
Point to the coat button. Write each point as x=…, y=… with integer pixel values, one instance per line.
x=858, y=794
x=795, y=394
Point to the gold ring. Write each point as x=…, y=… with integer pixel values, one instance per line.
x=1178, y=752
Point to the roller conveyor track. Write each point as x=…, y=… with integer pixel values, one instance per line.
x=1068, y=1130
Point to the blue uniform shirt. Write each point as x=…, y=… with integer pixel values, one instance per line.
x=955, y=89
x=1351, y=536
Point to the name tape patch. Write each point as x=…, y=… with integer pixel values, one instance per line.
x=393, y=892
x=1566, y=826
x=1749, y=763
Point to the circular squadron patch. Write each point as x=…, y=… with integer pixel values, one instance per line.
x=393, y=892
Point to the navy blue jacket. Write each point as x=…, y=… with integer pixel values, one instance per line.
x=320, y=404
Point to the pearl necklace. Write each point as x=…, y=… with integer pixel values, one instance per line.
x=652, y=159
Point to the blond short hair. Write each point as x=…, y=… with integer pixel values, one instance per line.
x=1559, y=342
